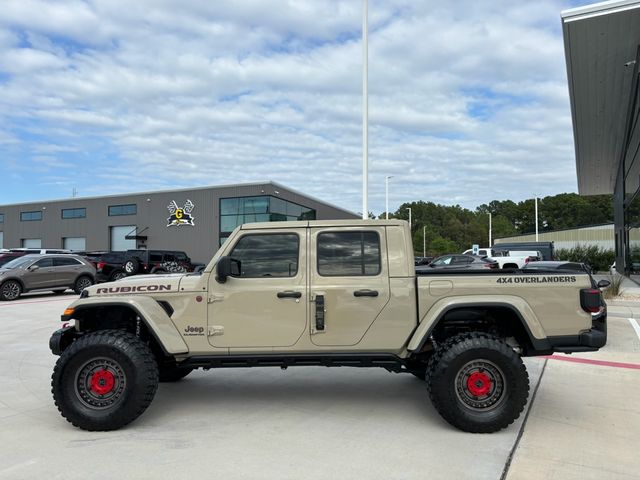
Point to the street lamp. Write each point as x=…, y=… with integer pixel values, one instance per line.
x=365, y=111
x=424, y=241
x=386, y=195
x=489, y=230
x=409, y=208
x=536, y=203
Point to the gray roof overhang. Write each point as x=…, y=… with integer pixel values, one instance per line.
x=601, y=42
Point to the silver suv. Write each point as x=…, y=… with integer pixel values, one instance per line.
x=45, y=272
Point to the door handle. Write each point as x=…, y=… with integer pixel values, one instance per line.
x=365, y=293
x=289, y=294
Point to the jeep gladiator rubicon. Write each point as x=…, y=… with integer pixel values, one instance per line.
x=324, y=293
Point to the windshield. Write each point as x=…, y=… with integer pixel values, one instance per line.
x=18, y=262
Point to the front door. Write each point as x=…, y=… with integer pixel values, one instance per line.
x=349, y=283
x=265, y=303
x=42, y=277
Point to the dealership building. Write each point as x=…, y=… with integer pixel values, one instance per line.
x=194, y=220
x=602, y=49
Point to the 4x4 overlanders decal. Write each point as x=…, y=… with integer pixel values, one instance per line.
x=137, y=288
x=560, y=279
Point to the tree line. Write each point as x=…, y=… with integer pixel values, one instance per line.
x=451, y=229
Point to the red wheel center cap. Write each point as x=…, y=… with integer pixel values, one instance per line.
x=479, y=384
x=102, y=382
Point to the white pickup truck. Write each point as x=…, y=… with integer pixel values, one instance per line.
x=508, y=258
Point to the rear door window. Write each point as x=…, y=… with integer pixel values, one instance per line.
x=348, y=254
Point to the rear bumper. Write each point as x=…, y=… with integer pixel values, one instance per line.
x=589, y=341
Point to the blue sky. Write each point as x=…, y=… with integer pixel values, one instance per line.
x=467, y=98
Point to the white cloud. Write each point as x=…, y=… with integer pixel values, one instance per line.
x=468, y=101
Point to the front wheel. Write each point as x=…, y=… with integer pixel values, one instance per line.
x=477, y=383
x=104, y=380
x=10, y=290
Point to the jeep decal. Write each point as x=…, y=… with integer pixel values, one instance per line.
x=134, y=289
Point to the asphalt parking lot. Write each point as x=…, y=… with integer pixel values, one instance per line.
x=313, y=422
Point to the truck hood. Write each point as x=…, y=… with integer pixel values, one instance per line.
x=138, y=284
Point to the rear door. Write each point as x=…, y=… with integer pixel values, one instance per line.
x=67, y=270
x=349, y=283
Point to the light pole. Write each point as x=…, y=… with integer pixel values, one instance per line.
x=365, y=111
x=386, y=195
x=489, y=231
x=536, y=203
x=424, y=240
x=409, y=208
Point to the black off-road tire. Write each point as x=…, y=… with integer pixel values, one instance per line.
x=131, y=266
x=10, y=290
x=104, y=380
x=81, y=283
x=117, y=275
x=172, y=373
x=477, y=383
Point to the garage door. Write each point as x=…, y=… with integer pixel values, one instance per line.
x=77, y=244
x=118, y=242
x=31, y=243
x=1, y=239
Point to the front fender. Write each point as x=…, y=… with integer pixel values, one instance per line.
x=149, y=311
x=437, y=311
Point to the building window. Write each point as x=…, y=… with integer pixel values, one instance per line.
x=30, y=216
x=1, y=217
x=130, y=209
x=236, y=211
x=267, y=255
x=74, y=212
x=348, y=254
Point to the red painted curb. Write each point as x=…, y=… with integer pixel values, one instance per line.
x=588, y=361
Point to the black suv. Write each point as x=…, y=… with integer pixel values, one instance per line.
x=115, y=265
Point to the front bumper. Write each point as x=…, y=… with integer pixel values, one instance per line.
x=61, y=339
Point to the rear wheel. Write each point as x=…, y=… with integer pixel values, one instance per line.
x=10, y=290
x=477, y=383
x=104, y=380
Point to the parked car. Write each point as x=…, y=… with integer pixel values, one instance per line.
x=93, y=256
x=116, y=265
x=7, y=256
x=422, y=260
x=516, y=259
x=459, y=262
x=45, y=272
x=545, y=248
x=556, y=266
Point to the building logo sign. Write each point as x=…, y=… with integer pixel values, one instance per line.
x=180, y=216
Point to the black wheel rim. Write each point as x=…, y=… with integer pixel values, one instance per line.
x=480, y=385
x=100, y=383
x=11, y=290
x=83, y=283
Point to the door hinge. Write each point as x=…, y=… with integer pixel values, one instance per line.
x=214, y=330
x=215, y=297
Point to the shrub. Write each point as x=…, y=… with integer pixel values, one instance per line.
x=599, y=259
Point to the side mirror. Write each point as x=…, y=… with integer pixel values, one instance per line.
x=604, y=283
x=226, y=267
x=33, y=268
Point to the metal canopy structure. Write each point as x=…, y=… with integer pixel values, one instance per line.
x=601, y=44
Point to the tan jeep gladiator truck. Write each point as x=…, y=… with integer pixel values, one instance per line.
x=324, y=293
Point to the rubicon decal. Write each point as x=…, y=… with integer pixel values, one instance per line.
x=558, y=279
x=135, y=289
x=180, y=216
